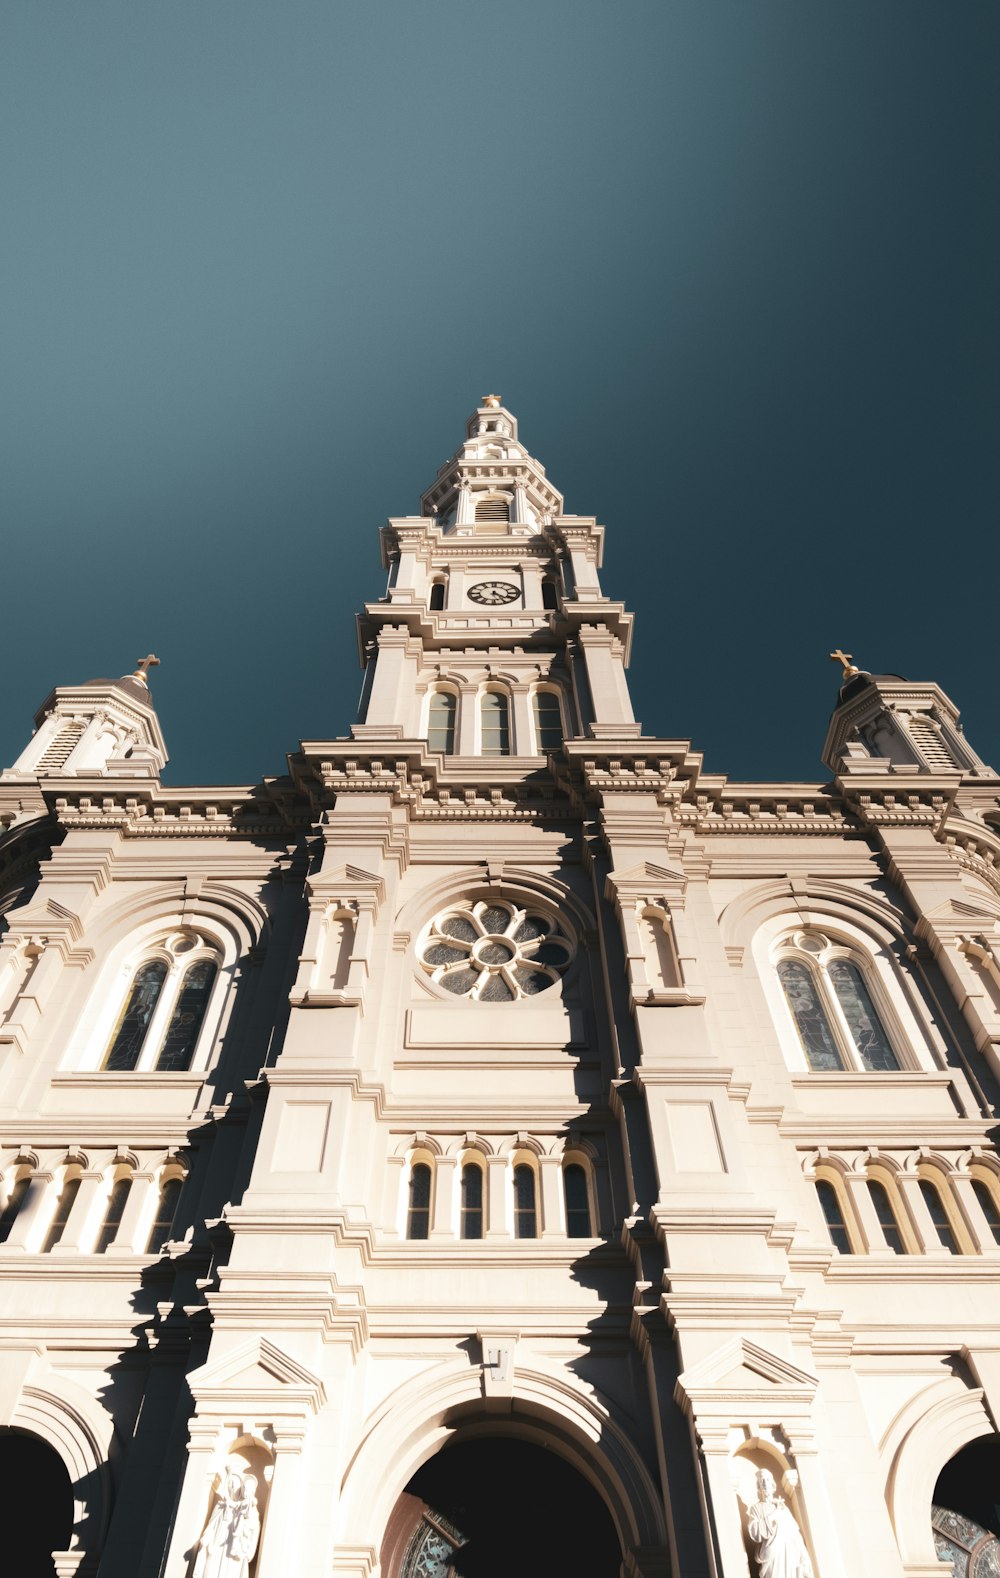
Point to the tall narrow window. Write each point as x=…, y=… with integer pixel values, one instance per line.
x=472, y=1201
x=113, y=1214
x=548, y=721
x=13, y=1205
x=130, y=1031
x=939, y=1215
x=441, y=722
x=182, y=1032
x=577, y=1201
x=437, y=597
x=418, y=1216
x=870, y=1040
x=495, y=715
x=984, y=1194
x=886, y=1216
x=57, y=1226
x=833, y=1211
x=550, y=596
x=810, y=1016
x=166, y=1210
x=525, y=1217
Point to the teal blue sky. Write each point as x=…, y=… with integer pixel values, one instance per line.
x=733, y=264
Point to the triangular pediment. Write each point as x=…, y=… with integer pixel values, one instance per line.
x=645, y=875
x=256, y=1367
x=956, y=909
x=742, y=1367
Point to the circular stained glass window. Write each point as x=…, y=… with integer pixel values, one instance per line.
x=494, y=952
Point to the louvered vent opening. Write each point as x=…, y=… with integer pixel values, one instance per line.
x=930, y=744
x=493, y=508
x=56, y=754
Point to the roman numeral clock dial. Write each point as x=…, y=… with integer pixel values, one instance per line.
x=493, y=593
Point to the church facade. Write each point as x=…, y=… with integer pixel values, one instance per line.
x=496, y=1126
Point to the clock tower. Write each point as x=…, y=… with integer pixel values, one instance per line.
x=494, y=637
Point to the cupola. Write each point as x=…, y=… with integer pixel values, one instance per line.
x=884, y=723
x=104, y=727
x=492, y=486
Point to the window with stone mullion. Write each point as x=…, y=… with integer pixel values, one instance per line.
x=835, y=1015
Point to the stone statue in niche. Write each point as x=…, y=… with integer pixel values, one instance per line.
x=229, y=1542
x=781, y=1550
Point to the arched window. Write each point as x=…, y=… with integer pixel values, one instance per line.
x=13, y=1203
x=577, y=1198
x=834, y=1215
x=113, y=1214
x=525, y=1215
x=64, y=1205
x=495, y=718
x=832, y=1007
x=939, y=1215
x=550, y=593
x=472, y=1200
x=441, y=715
x=492, y=507
x=418, y=1215
x=988, y=1202
x=887, y=1219
x=166, y=1210
x=437, y=597
x=164, y=1008
x=548, y=721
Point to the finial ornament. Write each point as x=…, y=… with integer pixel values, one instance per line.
x=845, y=659
x=491, y=400
x=144, y=665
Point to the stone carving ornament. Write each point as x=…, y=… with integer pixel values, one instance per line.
x=494, y=952
x=781, y=1550
x=229, y=1542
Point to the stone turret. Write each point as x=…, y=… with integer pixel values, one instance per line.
x=104, y=727
x=883, y=723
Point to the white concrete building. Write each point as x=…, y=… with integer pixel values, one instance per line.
x=498, y=1146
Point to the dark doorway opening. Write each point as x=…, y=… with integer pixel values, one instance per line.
x=38, y=1501
x=966, y=1511
x=487, y=1507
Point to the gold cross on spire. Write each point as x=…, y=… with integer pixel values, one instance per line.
x=144, y=665
x=845, y=658
x=491, y=400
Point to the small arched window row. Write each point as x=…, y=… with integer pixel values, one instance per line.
x=837, y=1011
x=497, y=735
x=121, y=1209
x=164, y=1008
x=885, y=1210
x=475, y=1196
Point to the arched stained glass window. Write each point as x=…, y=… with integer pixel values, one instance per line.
x=525, y=1216
x=472, y=1201
x=548, y=720
x=113, y=1214
x=182, y=1032
x=577, y=1201
x=418, y=1216
x=833, y=1212
x=166, y=1210
x=133, y=1025
x=886, y=1216
x=810, y=1016
x=870, y=1040
x=939, y=1215
x=441, y=717
x=495, y=718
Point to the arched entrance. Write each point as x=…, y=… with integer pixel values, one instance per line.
x=489, y=1505
x=38, y=1504
x=966, y=1511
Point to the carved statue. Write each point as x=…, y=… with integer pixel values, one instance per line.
x=229, y=1542
x=781, y=1551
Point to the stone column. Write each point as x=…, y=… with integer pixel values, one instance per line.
x=443, y=1219
x=909, y=1187
x=36, y=1208
x=550, y=1180
x=133, y=1229
x=279, y=1542
x=497, y=1225
x=468, y=703
x=521, y=743
x=724, y=1508
x=195, y=1502
x=80, y=1231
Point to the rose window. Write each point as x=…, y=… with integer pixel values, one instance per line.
x=494, y=952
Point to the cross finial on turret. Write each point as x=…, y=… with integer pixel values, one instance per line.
x=846, y=660
x=491, y=400
x=144, y=665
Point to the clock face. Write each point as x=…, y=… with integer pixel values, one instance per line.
x=493, y=593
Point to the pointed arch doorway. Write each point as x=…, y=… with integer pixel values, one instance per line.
x=489, y=1506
